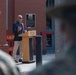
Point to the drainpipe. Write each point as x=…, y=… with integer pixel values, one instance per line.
x=6, y=14
x=6, y=19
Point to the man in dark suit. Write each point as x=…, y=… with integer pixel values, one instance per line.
x=64, y=65
x=18, y=28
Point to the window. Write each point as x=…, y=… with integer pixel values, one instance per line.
x=46, y=3
x=30, y=20
x=49, y=40
x=49, y=3
x=48, y=24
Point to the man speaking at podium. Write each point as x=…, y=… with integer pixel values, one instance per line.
x=18, y=28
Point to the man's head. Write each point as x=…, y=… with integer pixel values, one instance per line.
x=66, y=12
x=19, y=18
x=7, y=65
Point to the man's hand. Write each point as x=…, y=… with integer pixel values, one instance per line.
x=19, y=28
x=25, y=31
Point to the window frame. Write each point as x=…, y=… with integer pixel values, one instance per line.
x=26, y=20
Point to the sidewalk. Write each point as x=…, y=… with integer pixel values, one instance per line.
x=25, y=68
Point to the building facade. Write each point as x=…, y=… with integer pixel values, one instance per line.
x=34, y=15
x=57, y=40
x=3, y=23
x=50, y=30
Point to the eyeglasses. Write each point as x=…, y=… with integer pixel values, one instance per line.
x=20, y=18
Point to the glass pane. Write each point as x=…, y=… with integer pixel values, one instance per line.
x=48, y=24
x=49, y=40
x=51, y=2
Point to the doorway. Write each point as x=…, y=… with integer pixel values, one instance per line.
x=50, y=36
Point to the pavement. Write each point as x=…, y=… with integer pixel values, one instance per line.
x=26, y=68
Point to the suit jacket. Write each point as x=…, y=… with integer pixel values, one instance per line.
x=16, y=32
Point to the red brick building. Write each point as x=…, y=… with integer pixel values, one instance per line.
x=9, y=9
x=3, y=25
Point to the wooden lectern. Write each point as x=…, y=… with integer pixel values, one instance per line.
x=27, y=50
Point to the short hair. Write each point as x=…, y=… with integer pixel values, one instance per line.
x=20, y=16
x=7, y=65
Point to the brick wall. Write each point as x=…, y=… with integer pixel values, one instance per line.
x=3, y=22
x=3, y=25
x=16, y=7
x=32, y=6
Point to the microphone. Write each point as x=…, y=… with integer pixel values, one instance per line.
x=30, y=28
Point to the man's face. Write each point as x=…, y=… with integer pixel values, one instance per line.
x=20, y=19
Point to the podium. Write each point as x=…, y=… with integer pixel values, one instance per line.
x=27, y=50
